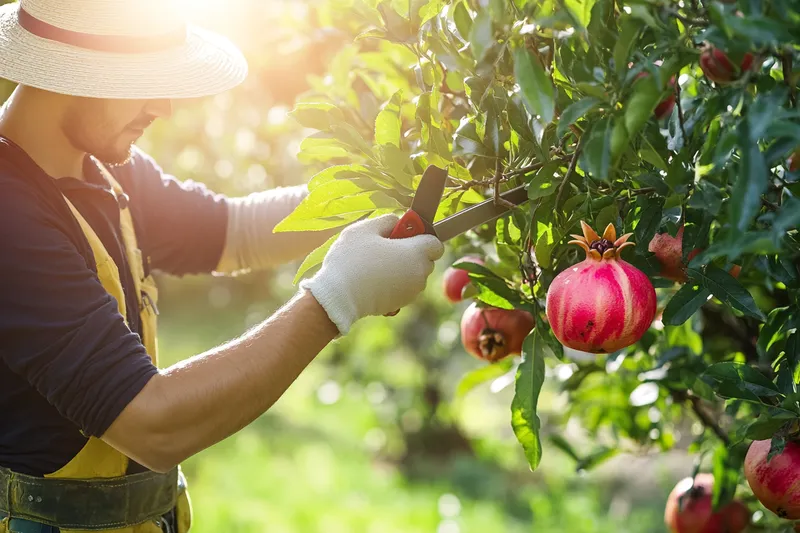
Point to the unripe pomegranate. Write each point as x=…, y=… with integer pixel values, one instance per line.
x=491, y=334
x=665, y=107
x=776, y=483
x=457, y=279
x=717, y=66
x=669, y=253
x=689, y=509
x=604, y=303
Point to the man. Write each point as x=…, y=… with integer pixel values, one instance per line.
x=91, y=430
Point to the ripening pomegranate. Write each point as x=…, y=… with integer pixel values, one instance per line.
x=604, y=303
x=669, y=251
x=776, y=483
x=794, y=161
x=689, y=509
x=457, y=279
x=665, y=107
x=491, y=334
x=717, y=66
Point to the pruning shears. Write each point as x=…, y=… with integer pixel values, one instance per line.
x=419, y=218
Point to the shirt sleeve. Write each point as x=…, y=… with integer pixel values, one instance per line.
x=59, y=328
x=183, y=224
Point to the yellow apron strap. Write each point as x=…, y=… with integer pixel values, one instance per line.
x=107, y=270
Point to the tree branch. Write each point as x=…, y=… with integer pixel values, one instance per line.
x=498, y=176
x=680, y=111
x=706, y=419
x=572, y=164
x=786, y=60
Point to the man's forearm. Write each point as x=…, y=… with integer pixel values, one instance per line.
x=198, y=402
x=251, y=244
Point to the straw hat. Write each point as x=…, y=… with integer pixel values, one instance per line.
x=138, y=49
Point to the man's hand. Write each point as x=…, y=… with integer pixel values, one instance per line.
x=366, y=273
x=199, y=402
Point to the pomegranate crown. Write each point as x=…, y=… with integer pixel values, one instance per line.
x=597, y=247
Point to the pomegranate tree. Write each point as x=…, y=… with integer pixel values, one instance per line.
x=602, y=304
x=491, y=333
x=689, y=509
x=540, y=103
x=775, y=482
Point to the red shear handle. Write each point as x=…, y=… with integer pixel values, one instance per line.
x=409, y=225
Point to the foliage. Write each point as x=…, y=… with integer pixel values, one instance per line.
x=546, y=94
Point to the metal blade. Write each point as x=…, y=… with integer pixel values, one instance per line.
x=478, y=214
x=429, y=193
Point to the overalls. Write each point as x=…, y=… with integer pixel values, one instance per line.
x=92, y=491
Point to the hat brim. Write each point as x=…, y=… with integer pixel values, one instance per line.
x=206, y=64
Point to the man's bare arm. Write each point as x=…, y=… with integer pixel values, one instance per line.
x=201, y=401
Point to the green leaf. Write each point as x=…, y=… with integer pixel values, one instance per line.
x=463, y=20
x=629, y=31
x=775, y=321
x=607, y=215
x=575, y=111
x=529, y=381
x=387, y=123
x=684, y=304
x=482, y=374
x=542, y=185
x=641, y=105
x=726, y=474
x=315, y=258
x=727, y=289
x=562, y=444
x=493, y=290
x=535, y=85
x=739, y=380
x=597, y=151
x=482, y=35
x=430, y=10
x=649, y=221
x=581, y=9
x=776, y=447
x=751, y=183
x=337, y=198
x=316, y=115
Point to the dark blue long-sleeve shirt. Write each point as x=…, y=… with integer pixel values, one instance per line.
x=68, y=362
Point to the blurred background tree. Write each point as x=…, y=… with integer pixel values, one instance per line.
x=375, y=436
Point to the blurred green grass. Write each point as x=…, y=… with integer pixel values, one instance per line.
x=313, y=464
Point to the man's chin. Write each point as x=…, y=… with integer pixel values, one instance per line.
x=114, y=158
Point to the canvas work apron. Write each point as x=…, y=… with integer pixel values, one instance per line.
x=92, y=491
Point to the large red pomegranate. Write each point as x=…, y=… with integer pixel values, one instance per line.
x=689, y=509
x=491, y=334
x=718, y=67
x=776, y=483
x=456, y=280
x=665, y=107
x=604, y=303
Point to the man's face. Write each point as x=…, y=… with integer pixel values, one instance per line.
x=107, y=128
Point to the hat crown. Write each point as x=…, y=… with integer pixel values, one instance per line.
x=139, y=18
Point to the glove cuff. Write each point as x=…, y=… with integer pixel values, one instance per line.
x=338, y=305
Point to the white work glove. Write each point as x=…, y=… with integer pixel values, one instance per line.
x=367, y=274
